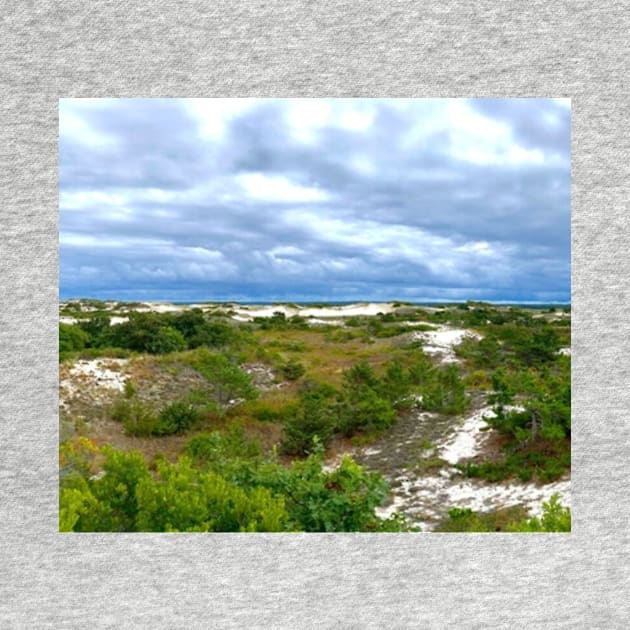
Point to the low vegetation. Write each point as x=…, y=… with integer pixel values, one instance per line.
x=254, y=408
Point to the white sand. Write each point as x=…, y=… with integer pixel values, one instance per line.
x=247, y=313
x=114, y=321
x=426, y=499
x=429, y=498
x=351, y=310
x=104, y=373
x=164, y=307
x=469, y=438
x=325, y=322
x=443, y=340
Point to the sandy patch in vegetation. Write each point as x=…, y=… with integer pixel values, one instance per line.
x=163, y=307
x=443, y=340
x=114, y=321
x=325, y=322
x=565, y=351
x=104, y=373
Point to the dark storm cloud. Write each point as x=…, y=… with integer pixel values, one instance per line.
x=371, y=199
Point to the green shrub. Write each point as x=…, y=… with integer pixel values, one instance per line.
x=446, y=393
x=220, y=449
x=225, y=486
x=72, y=338
x=139, y=420
x=292, y=370
x=313, y=424
x=166, y=339
x=183, y=499
x=228, y=380
x=555, y=518
x=177, y=417
x=364, y=410
x=394, y=386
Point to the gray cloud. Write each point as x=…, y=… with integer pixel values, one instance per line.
x=374, y=199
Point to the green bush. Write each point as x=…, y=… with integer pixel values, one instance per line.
x=363, y=410
x=555, y=518
x=313, y=424
x=343, y=500
x=177, y=417
x=220, y=449
x=141, y=420
x=292, y=370
x=166, y=339
x=138, y=419
x=215, y=491
x=228, y=380
x=184, y=499
x=445, y=393
x=72, y=338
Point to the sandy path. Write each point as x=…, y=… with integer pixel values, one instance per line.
x=425, y=497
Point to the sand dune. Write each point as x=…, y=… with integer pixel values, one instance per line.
x=246, y=313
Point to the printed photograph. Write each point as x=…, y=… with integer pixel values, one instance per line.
x=315, y=315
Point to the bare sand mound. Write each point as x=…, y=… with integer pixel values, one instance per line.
x=247, y=313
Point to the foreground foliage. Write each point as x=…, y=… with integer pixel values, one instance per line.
x=555, y=518
x=222, y=484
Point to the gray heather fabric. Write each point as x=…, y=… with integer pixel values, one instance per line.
x=329, y=48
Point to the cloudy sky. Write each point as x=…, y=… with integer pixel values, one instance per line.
x=315, y=199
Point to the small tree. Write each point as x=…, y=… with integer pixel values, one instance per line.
x=314, y=419
x=228, y=380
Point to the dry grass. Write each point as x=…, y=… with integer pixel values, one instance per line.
x=326, y=360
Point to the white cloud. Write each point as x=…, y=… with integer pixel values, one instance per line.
x=277, y=188
x=215, y=114
x=74, y=125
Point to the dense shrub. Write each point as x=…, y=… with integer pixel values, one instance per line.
x=394, y=386
x=160, y=333
x=72, y=338
x=313, y=423
x=343, y=500
x=446, y=392
x=177, y=417
x=166, y=339
x=292, y=370
x=183, y=498
x=140, y=419
x=220, y=449
x=362, y=409
x=206, y=494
